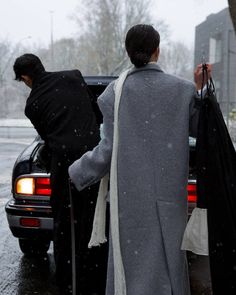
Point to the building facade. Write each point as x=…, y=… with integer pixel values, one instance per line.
x=215, y=42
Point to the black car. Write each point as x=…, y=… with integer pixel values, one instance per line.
x=28, y=211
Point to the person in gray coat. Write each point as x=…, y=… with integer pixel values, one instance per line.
x=157, y=114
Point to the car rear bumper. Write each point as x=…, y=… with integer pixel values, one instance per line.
x=16, y=212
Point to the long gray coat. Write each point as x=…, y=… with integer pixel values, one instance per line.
x=156, y=116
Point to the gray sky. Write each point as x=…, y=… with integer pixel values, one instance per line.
x=22, y=18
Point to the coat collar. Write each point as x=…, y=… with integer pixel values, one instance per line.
x=148, y=67
x=37, y=79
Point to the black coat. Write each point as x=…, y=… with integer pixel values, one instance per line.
x=60, y=109
x=216, y=184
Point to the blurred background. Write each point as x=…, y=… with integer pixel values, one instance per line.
x=89, y=35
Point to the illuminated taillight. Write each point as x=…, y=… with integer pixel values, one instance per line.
x=25, y=186
x=192, y=193
x=38, y=186
x=42, y=186
x=30, y=222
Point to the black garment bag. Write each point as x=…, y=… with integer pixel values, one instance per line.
x=216, y=189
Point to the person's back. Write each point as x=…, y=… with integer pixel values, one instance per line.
x=156, y=116
x=160, y=105
x=60, y=108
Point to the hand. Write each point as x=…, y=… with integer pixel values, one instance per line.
x=198, y=76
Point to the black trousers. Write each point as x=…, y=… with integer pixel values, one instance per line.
x=91, y=264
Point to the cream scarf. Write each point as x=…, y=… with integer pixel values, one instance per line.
x=98, y=234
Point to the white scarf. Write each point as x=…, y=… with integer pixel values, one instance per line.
x=98, y=234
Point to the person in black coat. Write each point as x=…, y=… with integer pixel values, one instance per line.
x=60, y=108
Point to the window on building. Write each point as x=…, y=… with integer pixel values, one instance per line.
x=215, y=49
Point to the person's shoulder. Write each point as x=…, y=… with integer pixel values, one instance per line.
x=71, y=76
x=68, y=73
x=180, y=80
x=109, y=90
x=108, y=95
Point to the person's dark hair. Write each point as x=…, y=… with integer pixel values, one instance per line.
x=140, y=43
x=28, y=64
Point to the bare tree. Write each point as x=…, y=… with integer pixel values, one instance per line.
x=66, y=55
x=232, y=10
x=12, y=94
x=5, y=58
x=176, y=58
x=103, y=25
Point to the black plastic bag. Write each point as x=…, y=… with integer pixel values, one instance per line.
x=216, y=189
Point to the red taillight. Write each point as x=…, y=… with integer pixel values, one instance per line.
x=30, y=222
x=192, y=193
x=42, y=186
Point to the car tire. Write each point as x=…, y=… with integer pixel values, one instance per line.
x=34, y=247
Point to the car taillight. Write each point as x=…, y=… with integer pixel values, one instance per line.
x=30, y=222
x=25, y=186
x=42, y=186
x=192, y=193
x=33, y=186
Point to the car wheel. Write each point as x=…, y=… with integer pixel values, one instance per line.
x=34, y=247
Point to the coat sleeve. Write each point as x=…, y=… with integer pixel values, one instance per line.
x=93, y=165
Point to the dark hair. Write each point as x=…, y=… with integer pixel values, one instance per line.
x=28, y=64
x=140, y=43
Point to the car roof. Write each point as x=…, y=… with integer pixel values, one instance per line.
x=99, y=80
